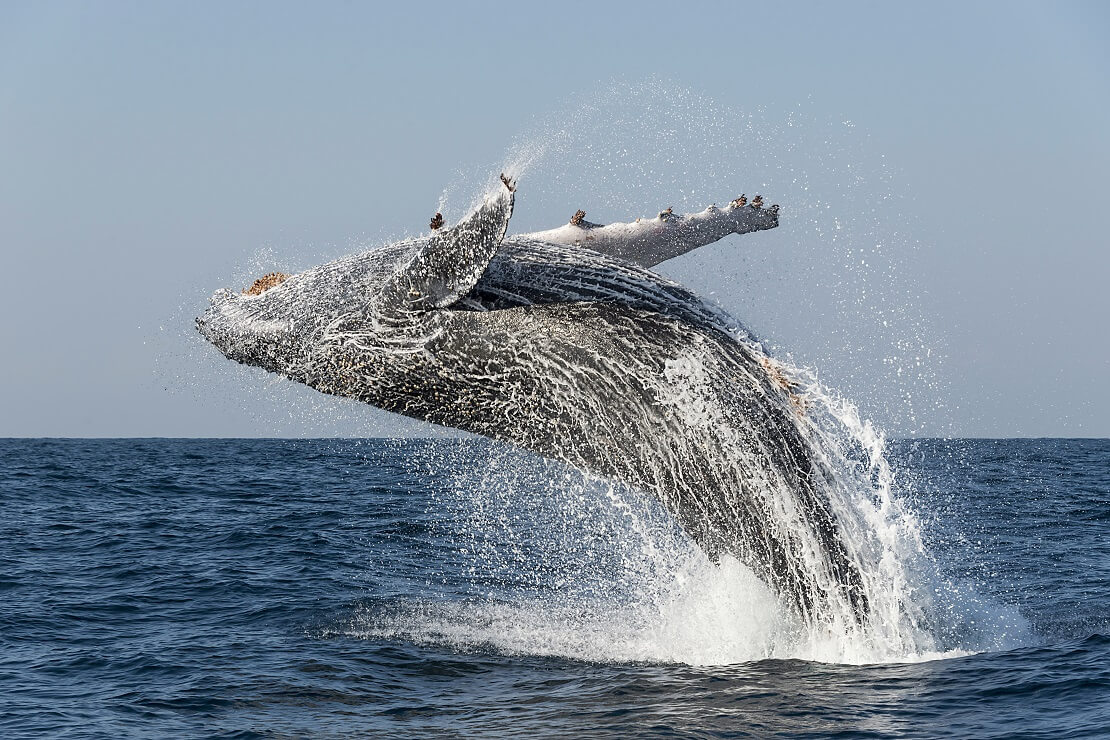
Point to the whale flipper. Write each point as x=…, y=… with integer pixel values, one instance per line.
x=649, y=241
x=449, y=262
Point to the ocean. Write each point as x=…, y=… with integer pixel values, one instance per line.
x=455, y=588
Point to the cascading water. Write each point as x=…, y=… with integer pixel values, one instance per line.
x=562, y=563
x=756, y=514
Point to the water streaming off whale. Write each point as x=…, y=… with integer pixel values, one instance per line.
x=662, y=399
x=566, y=564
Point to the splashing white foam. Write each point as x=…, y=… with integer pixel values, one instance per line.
x=565, y=565
x=561, y=564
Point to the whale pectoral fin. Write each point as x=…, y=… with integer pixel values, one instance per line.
x=450, y=261
x=650, y=241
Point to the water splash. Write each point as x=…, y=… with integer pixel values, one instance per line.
x=641, y=590
x=558, y=563
x=593, y=571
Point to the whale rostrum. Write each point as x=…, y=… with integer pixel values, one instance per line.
x=565, y=343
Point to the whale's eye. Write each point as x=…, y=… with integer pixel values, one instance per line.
x=265, y=283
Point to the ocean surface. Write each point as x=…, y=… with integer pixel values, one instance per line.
x=261, y=588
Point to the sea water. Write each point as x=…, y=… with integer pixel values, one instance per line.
x=460, y=588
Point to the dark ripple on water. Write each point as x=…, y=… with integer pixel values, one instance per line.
x=160, y=587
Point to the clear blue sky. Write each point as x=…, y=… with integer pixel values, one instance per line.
x=153, y=152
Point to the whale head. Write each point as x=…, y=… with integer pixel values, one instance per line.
x=289, y=324
x=361, y=314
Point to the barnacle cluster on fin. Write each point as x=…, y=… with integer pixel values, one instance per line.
x=266, y=282
x=436, y=222
x=578, y=217
x=757, y=203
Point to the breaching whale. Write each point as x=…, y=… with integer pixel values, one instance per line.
x=565, y=343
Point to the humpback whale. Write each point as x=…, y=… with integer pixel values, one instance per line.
x=566, y=343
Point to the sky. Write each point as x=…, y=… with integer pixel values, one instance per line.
x=942, y=167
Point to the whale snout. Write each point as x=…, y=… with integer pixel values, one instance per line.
x=214, y=318
x=254, y=329
x=228, y=324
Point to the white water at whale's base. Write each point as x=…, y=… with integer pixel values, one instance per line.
x=707, y=615
x=562, y=564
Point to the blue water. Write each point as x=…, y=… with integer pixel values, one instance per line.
x=351, y=588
